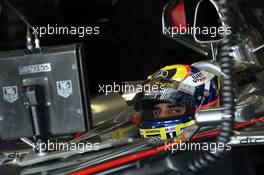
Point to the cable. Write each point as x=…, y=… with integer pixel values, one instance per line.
x=227, y=99
x=29, y=43
x=18, y=13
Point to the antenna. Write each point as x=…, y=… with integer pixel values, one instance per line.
x=29, y=43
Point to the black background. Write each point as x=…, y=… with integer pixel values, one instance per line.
x=130, y=45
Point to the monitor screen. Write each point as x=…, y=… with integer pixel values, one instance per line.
x=61, y=72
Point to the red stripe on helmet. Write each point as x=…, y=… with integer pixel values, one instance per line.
x=188, y=70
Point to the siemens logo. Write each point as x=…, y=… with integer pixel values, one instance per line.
x=152, y=131
x=31, y=69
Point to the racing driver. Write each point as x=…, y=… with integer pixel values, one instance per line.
x=173, y=95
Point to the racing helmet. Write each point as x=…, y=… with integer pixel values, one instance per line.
x=179, y=90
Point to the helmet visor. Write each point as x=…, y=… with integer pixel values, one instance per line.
x=163, y=99
x=166, y=91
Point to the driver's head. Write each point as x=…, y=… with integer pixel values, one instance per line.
x=170, y=98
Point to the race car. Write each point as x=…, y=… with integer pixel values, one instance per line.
x=132, y=135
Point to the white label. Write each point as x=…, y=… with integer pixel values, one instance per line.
x=31, y=69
